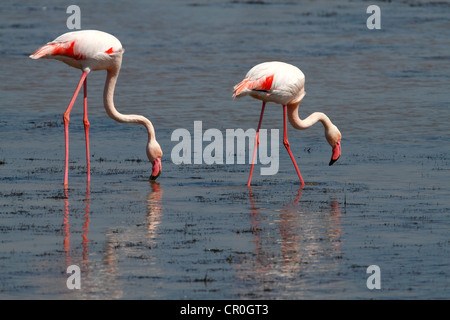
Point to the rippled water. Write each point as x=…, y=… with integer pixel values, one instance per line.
x=200, y=233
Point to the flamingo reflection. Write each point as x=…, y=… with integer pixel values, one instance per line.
x=66, y=226
x=305, y=237
x=129, y=241
x=154, y=210
x=103, y=280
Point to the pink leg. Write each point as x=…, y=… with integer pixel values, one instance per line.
x=86, y=133
x=286, y=144
x=66, y=118
x=256, y=143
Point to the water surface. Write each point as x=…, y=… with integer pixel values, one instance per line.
x=199, y=232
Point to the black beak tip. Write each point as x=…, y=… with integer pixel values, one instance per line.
x=153, y=178
x=332, y=161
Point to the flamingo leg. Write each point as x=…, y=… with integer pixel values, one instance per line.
x=66, y=119
x=86, y=133
x=256, y=143
x=286, y=144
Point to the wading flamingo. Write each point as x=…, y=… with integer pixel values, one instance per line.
x=91, y=50
x=283, y=83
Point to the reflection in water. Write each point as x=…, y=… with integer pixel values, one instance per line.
x=66, y=225
x=290, y=237
x=304, y=242
x=66, y=242
x=154, y=210
x=87, y=211
x=104, y=281
x=129, y=241
x=70, y=253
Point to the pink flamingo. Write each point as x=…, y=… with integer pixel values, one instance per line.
x=91, y=50
x=283, y=83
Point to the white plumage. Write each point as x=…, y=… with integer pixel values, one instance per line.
x=284, y=83
x=88, y=50
x=91, y=50
x=273, y=81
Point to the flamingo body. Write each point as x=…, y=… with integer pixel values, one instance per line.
x=86, y=50
x=284, y=84
x=274, y=81
x=91, y=50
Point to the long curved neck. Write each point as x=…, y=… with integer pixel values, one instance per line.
x=108, y=101
x=300, y=124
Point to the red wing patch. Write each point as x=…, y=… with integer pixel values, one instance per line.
x=109, y=51
x=262, y=84
x=266, y=83
x=57, y=49
x=66, y=49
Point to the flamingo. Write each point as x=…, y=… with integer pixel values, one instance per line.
x=92, y=50
x=284, y=84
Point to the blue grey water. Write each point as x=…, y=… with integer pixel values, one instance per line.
x=199, y=232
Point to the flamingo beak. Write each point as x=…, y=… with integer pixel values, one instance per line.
x=336, y=152
x=156, y=170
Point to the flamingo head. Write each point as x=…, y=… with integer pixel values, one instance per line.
x=334, y=136
x=154, y=154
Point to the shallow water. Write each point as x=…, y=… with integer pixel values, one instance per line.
x=199, y=232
